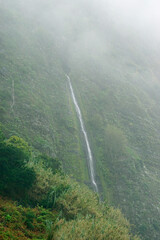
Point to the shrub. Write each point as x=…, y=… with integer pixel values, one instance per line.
x=15, y=178
x=48, y=186
x=44, y=181
x=114, y=142
x=88, y=228
x=78, y=200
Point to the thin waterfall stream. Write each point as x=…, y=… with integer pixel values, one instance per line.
x=90, y=157
x=13, y=96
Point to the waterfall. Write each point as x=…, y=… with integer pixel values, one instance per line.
x=13, y=96
x=91, y=166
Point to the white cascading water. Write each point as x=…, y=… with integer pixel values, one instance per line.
x=13, y=97
x=85, y=136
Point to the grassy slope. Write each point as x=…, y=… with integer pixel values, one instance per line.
x=76, y=215
x=18, y=222
x=128, y=100
x=43, y=112
x=119, y=93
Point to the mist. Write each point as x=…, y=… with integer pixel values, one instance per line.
x=89, y=29
x=99, y=34
x=141, y=18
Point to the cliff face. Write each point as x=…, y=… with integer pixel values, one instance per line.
x=116, y=82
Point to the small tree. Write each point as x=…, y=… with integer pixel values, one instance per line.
x=114, y=142
x=21, y=145
x=15, y=177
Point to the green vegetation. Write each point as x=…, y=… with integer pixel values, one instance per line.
x=67, y=211
x=18, y=222
x=114, y=143
x=15, y=178
x=117, y=87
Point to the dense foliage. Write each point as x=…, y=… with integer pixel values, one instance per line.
x=15, y=177
x=67, y=211
x=18, y=222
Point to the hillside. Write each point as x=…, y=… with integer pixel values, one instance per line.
x=115, y=77
x=47, y=204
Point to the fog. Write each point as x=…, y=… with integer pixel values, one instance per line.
x=137, y=17
x=89, y=29
x=140, y=15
